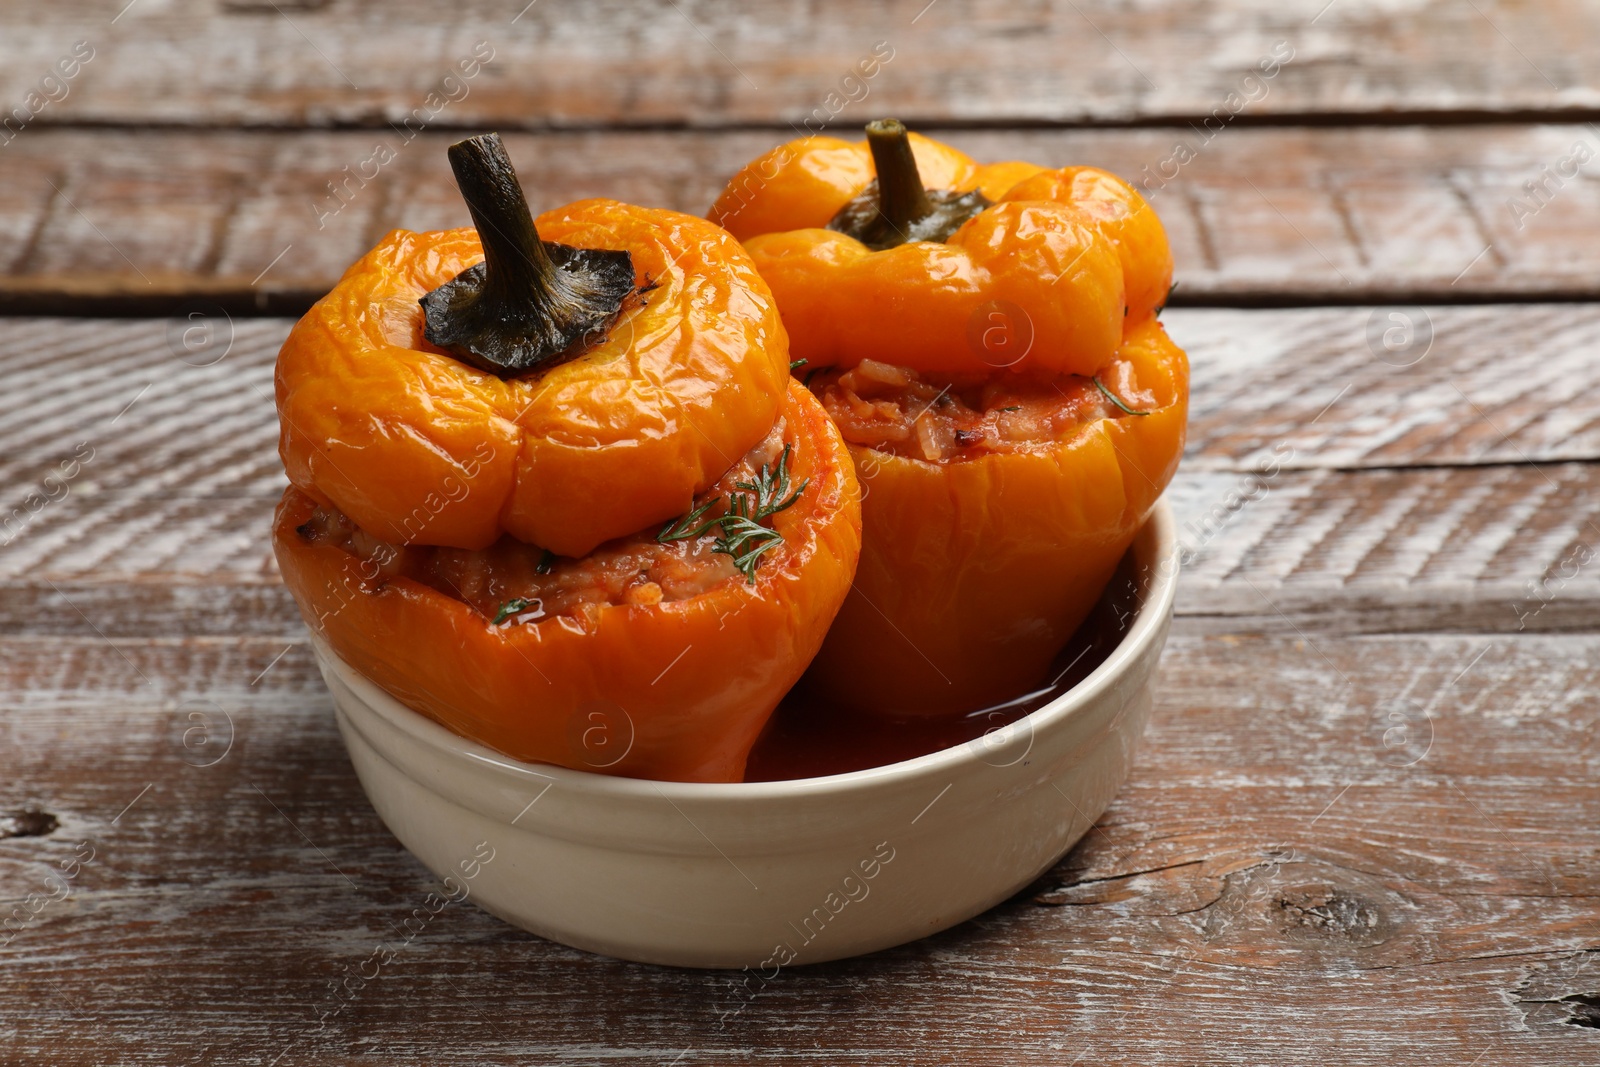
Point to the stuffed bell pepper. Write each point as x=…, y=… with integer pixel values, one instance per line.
x=554, y=487
x=986, y=339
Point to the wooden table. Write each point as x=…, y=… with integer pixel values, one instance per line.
x=1365, y=828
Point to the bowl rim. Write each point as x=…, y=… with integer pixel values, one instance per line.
x=1155, y=606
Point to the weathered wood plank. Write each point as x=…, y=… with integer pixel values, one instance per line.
x=1311, y=215
x=700, y=63
x=1323, y=488
x=182, y=406
x=1347, y=388
x=1275, y=884
x=1499, y=549
x=1313, y=554
x=1496, y=549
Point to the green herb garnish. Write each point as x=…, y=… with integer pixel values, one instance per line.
x=1116, y=399
x=511, y=607
x=739, y=530
x=1013, y=407
x=545, y=562
x=796, y=364
x=746, y=541
x=685, y=527
x=770, y=491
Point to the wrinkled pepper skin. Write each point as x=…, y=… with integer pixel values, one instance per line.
x=1049, y=245
x=975, y=572
x=1122, y=215
x=683, y=688
x=803, y=184
x=419, y=448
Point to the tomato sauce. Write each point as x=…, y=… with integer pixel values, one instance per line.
x=809, y=738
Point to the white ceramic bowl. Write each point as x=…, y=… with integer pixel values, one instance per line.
x=771, y=874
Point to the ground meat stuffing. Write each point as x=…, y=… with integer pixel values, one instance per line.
x=520, y=583
x=943, y=419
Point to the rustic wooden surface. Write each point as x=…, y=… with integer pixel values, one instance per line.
x=695, y=62
x=1365, y=828
x=120, y=221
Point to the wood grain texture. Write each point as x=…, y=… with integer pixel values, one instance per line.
x=701, y=63
x=1322, y=488
x=1364, y=828
x=1310, y=215
x=1493, y=550
x=1274, y=885
x=1486, y=549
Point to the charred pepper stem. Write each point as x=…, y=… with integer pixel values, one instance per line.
x=531, y=303
x=896, y=208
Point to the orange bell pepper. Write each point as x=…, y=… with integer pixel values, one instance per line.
x=976, y=570
x=1035, y=248
x=475, y=519
x=672, y=690
x=1022, y=304
x=420, y=448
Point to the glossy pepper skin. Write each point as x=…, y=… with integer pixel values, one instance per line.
x=975, y=572
x=684, y=687
x=562, y=386
x=1077, y=248
x=417, y=447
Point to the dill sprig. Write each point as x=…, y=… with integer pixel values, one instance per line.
x=1115, y=399
x=739, y=530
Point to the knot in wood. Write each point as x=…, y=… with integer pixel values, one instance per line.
x=27, y=823
x=1328, y=911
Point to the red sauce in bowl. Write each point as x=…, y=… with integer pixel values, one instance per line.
x=810, y=738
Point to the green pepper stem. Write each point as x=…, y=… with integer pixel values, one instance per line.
x=896, y=208
x=901, y=198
